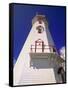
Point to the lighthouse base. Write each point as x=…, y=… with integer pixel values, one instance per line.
x=41, y=70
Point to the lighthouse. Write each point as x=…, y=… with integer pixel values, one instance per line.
x=38, y=61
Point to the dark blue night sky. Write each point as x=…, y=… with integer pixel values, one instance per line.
x=22, y=19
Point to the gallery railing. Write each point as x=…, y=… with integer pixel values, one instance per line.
x=43, y=49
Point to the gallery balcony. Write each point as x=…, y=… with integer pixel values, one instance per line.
x=44, y=52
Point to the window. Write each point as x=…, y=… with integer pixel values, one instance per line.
x=40, y=29
x=62, y=73
x=54, y=50
x=40, y=22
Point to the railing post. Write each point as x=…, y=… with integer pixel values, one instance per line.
x=42, y=46
x=35, y=46
x=31, y=48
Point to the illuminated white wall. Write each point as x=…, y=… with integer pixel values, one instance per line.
x=23, y=73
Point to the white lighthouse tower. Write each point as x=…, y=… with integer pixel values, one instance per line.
x=38, y=61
